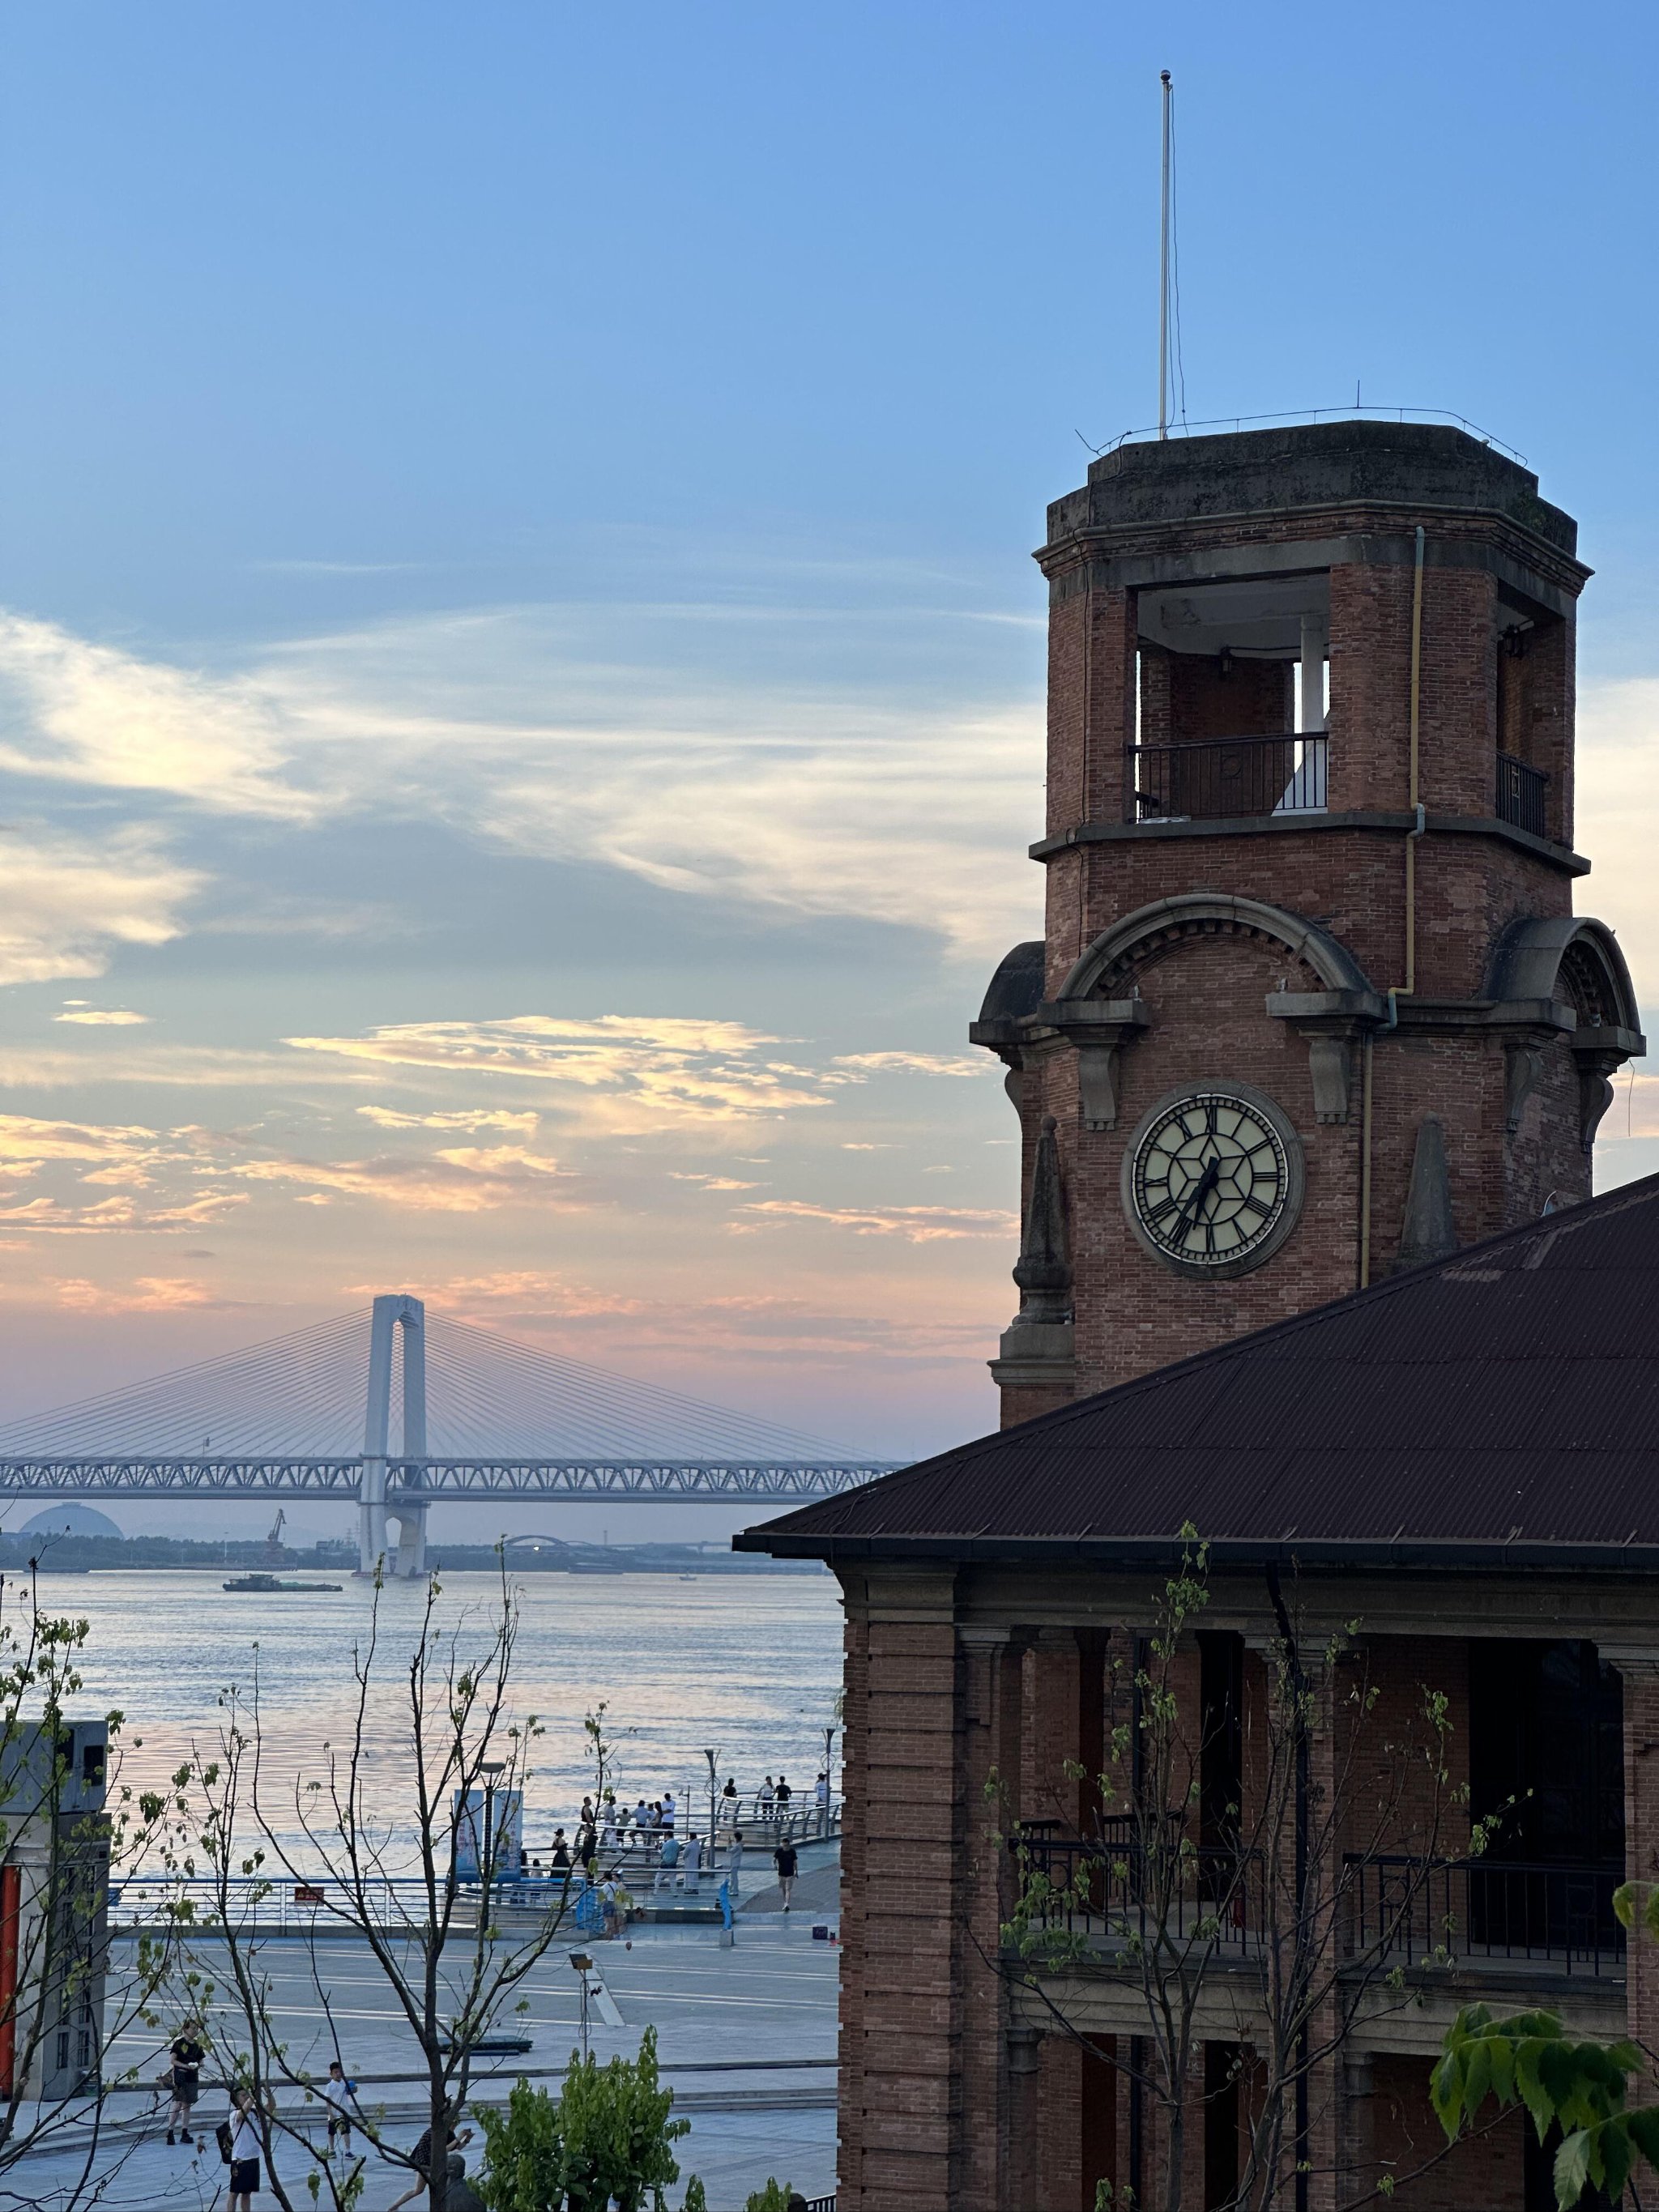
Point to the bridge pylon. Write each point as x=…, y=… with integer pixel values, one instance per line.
x=393, y=1311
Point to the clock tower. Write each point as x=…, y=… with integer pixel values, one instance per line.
x=1312, y=1004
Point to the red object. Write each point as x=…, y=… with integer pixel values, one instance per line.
x=10, y=1900
x=307, y=1892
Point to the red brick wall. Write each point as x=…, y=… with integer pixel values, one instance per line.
x=1484, y=2173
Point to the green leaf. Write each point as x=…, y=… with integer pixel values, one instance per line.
x=1571, y=2170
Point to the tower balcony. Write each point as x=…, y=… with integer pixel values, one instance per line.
x=1214, y=779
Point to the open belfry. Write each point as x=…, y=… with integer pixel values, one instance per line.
x=1312, y=1003
x=1282, y=1677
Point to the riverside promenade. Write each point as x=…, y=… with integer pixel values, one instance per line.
x=746, y=2038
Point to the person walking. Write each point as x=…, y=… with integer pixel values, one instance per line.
x=421, y=2158
x=668, y=1863
x=186, y=2052
x=338, y=2095
x=787, y=1864
x=245, y=2147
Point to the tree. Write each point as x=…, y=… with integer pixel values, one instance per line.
x=1163, y=1888
x=606, y=2136
x=1577, y=2086
x=72, y=1830
x=422, y=1894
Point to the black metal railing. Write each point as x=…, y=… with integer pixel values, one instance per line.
x=1521, y=793
x=1213, y=777
x=1478, y=1911
x=1125, y=1884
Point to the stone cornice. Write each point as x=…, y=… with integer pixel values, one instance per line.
x=1362, y=819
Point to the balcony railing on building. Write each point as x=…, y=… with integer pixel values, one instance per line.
x=1213, y=778
x=1521, y=793
x=1416, y=1912
x=1495, y=1913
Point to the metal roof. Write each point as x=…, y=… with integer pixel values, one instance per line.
x=1501, y=1406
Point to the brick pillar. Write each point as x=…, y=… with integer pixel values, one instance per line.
x=996, y=2154
x=904, y=1861
x=1639, y=1672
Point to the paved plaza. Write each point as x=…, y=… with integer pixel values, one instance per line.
x=746, y=2037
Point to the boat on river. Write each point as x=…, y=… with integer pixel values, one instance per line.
x=263, y=1585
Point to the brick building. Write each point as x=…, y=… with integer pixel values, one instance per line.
x=1456, y=1473
x=1313, y=1018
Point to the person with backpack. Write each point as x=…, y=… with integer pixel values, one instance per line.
x=242, y=2144
x=338, y=2095
x=421, y=2159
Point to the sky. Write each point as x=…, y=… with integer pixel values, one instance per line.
x=520, y=669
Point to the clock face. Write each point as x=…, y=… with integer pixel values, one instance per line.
x=1213, y=1180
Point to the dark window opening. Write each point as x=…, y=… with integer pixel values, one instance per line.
x=92, y=1759
x=1221, y=1753
x=1538, y=2175
x=1220, y=2124
x=1546, y=1753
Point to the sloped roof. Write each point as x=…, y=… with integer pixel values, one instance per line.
x=1501, y=1407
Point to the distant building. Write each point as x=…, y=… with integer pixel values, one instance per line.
x=69, y=1520
x=54, y=1889
x=1312, y=1018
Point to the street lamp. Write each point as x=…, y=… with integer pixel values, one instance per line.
x=829, y=1775
x=713, y=1757
x=584, y=1964
x=490, y=1768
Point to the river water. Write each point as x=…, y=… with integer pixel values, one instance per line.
x=748, y=1664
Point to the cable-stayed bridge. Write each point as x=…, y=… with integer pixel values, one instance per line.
x=392, y=1411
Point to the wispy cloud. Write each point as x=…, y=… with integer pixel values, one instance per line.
x=911, y=1063
x=637, y=1073
x=89, y=713
x=480, y=1117
x=66, y=900
x=916, y=1225
x=466, y=1179
x=106, y=1017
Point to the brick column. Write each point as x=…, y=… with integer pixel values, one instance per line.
x=996, y=2153
x=1639, y=1673
x=903, y=1880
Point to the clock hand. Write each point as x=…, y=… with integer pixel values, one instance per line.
x=1192, y=1207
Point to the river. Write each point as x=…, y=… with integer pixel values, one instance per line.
x=748, y=1664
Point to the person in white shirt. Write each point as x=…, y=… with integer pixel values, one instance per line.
x=338, y=2094
x=668, y=1811
x=246, y=2148
x=734, y=1863
x=821, y=1791
x=692, y=1862
x=767, y=1798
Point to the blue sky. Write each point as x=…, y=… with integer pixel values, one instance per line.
x=514, y=534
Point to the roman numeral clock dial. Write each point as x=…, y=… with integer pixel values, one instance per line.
x=1213, y=1180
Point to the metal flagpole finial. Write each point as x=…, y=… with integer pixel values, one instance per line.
x=1167, y=84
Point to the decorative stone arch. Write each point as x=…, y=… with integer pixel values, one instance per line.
x=1100, y=1011
x=1166, y=922
x=1565, y=972
x=1572, y=960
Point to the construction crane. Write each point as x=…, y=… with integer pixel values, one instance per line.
x=274, y=1541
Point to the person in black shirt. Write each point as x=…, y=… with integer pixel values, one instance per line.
x=422, y=2156
x=786, y=1863
x=186, y=2053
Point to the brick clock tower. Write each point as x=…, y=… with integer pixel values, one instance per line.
x=1313, y=1003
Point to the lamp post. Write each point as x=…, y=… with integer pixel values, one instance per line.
x=829, y=1775
x=490, y=1768
x=583, y=1963
x=713, y=1757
